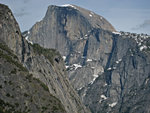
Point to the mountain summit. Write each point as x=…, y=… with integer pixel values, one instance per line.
x=68, y=21
x=95, y=20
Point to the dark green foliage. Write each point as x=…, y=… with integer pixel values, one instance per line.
x=17, y=104
x=44, y=109
x=26, y=95
x=5, y=48
x=10, y=83
x=57, y=106
x=5, y=82
x=48, y=53
x=8, y=95
x=148, y=45
x=42, y=84
x=7, y=54
x=14, y=71
x=10, y=108
x=29, y=77
x=40, y=71
x=12, y=61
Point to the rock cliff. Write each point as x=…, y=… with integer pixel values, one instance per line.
x=33, y=79
x=77, y=38
x=123, y=87
x=109, y=69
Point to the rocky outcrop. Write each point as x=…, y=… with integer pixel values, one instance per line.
x=9, y=29
x=106, y=67
x=33, y=79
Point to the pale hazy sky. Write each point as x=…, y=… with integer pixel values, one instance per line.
x=124, y=15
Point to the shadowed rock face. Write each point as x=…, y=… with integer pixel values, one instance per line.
x=33, y=79
x=110, y=70
x=125, y=78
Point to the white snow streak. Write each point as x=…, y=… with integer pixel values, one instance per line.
x=143, y=47
x=67, y=67
x=116, y=33
x=68, y=5
x=103, y=97
x=109, y=68
x=64, y=58
x=77, y=66
x=27, y=38
x=117, y=62
x=90, y=15
x=113, y=104
x=95, y=76
x=89, y=60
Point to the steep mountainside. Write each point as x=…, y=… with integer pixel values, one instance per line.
x=33, y=79
x=20, y=92
x=123, y=87
x=109, y=69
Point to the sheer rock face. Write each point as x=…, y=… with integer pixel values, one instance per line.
x=110, y=70
x=78, y=36
x=33, y=77
x=61, y=26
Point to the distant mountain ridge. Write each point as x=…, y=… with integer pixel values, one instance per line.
x=106, y=67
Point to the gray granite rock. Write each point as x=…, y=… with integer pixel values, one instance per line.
x=33, y=79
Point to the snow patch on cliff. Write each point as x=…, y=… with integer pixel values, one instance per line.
x=68, y=5
x=113, y=104
x=103, y=97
